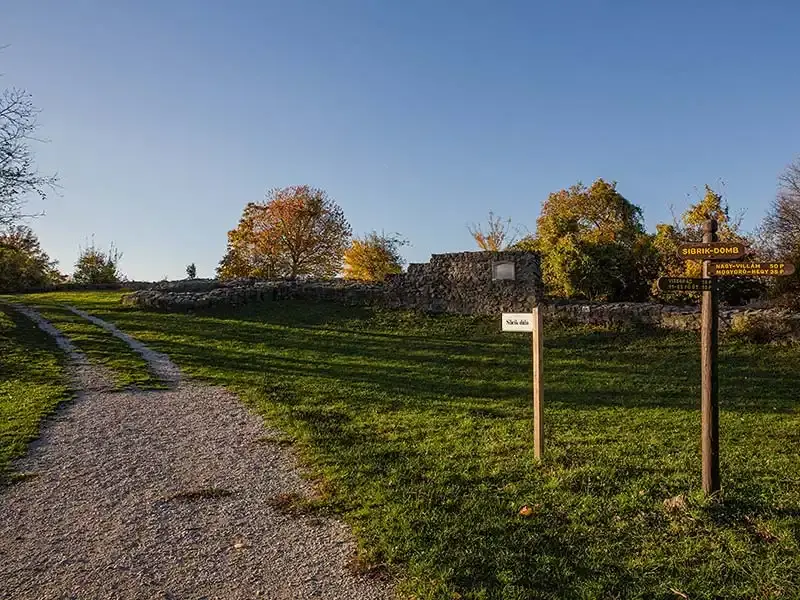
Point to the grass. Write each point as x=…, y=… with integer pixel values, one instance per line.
x=32, y=384
x=420, y=428
x=100, y=347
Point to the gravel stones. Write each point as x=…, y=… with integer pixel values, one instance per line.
x=166, y=494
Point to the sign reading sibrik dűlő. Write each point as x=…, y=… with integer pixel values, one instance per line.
x=517, y=321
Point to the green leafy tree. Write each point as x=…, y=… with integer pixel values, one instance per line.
x=191, y=271
x=23, y=264
x=95, y=266
x=526, y=244
x=689, y=228
x=593, y=244
x=373, y=257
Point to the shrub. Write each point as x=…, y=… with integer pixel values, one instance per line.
x=764, y=328
x=23, y=264
x=96, y=266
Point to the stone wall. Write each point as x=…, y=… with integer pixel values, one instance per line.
x=241, y=292
x=462, y=283
x=459, y=283
x=450, y=283
x=685, y=318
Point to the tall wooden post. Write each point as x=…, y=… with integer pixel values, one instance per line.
x=538, y=426
x=709, y=404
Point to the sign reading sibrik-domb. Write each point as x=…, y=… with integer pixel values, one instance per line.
x=711, y=250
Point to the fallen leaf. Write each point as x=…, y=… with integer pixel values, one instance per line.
x=676, y=504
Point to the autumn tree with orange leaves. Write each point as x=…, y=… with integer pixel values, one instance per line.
x=498, y=235
x=297, y=231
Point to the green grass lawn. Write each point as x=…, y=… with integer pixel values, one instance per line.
x=421, y=428
x=126, y=366
x=32, y=384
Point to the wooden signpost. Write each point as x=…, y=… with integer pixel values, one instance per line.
x=708, y=251
x=532, y=322
x=709, y=349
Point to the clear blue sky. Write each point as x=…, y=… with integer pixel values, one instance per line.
x=419, y=116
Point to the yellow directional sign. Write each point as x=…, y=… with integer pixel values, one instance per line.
x=711, y=250
x=750, y=269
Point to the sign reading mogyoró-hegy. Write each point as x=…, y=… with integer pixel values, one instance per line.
x=711, y=250
x=750, y=269
x=517, y=322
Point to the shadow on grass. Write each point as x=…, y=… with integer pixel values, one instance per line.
x=36, y=342
x=419, y=366
x=423, y=426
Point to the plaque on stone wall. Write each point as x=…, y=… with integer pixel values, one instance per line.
x=503, y=270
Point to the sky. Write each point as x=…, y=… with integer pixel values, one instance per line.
x=164, y=118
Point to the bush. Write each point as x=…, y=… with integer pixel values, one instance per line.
x=23, y=264
x=96, y=266
x=765, y=328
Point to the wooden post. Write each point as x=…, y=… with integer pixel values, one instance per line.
x=538, y=427
x=709, y=403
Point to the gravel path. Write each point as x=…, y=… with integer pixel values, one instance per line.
x=165, y=494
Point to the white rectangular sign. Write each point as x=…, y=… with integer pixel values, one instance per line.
x=517, y=322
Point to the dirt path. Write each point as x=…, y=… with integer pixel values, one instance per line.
x=165, y=494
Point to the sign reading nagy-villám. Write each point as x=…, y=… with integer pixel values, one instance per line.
x=750, y=269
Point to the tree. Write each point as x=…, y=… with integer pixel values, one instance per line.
x=96, y=266
x=498, y=235
x=298, y=231
x=690, y=229
x=23, y=264
x=780, y=233
x=373, y=257
x=593, y=244
x=18, y=174
x=781, y=226
x=191, y=271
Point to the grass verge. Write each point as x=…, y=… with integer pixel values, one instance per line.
x=421, y=429
x=127, y=367
x=32, y=384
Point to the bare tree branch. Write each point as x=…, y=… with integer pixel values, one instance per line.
x=18, y=174
x=781, y=227
x=499, y=234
